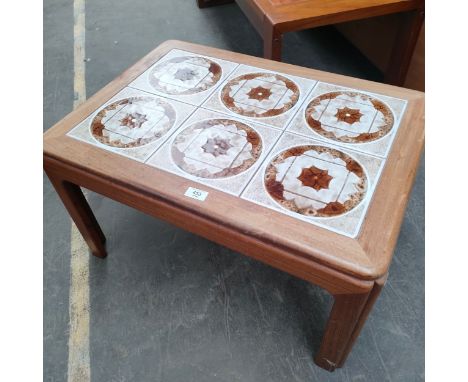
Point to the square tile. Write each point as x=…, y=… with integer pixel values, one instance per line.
x=350, y=118
x=216, y=149
x=184, y=76
x=259, y=95
x=316, y=182
x=132, y=123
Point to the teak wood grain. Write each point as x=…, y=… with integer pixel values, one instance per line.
x=351, y=270
x=273, y=18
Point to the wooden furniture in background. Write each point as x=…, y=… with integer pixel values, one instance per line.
x=373, y=37
x=273, y=18
x=353, y=270
x=415, y=77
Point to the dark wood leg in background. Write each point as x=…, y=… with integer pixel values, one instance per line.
x=272, y=40
x=210, y=3
x=80, y=212
x=343, y=320
x=403, y=48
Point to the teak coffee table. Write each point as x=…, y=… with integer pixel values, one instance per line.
x=273, y=18
x=306, y=171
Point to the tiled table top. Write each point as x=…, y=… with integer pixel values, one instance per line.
x=308, y=149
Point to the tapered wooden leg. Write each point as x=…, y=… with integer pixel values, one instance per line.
x=378, y=285
x=340, y=328
x=210, y=3
x=403, y=48
x=80, y=212
x=272, y=41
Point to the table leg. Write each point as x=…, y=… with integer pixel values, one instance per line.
x=80, y=212
x=210, y=3
x=341, y=327
x=363, y=317
x=272, y=41
x=403, y=48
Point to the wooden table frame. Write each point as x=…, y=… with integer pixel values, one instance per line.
x=352, y=270
x=272, y=21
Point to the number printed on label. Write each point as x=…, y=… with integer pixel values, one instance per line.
x=195, y=193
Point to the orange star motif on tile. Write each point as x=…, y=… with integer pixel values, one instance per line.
x=315, y=177
x=348, y=115
x=259, y=93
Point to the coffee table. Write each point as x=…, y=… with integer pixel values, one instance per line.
x=304, y=170
x=273, y=18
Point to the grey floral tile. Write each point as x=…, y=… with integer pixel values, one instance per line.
x=132, y=123
x=216, y=149
x=316, y=182
x=184, y=76
x=350, y=118
x=258, y=95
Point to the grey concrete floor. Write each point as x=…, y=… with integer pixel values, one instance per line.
x=170, y=306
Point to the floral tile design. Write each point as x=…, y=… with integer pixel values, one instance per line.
x=316, y=182
x=217, y=150
x=261, y=96
x=132, y=123
x=310, y=150
x=184, y=76
x=349, y=118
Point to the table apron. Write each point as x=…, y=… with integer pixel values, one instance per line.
x=333, y=281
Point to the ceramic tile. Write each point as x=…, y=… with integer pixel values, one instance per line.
x=258, y=95
x=313, y=151
x=132, y=123
x=216, y=149
x=350, y=118
x=316, y=182
x=185, y=76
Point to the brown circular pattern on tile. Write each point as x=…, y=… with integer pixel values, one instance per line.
x=260, y=95
x=350, y=117
x=216, y=148
x=185, y=75
x=133, y=122
x=315, y=181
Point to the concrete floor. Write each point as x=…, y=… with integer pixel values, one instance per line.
x=170, y=306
